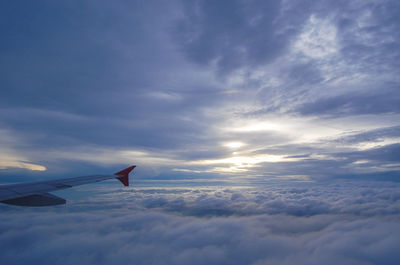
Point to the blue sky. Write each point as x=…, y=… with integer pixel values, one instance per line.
x=264, y=132
x=228, y=89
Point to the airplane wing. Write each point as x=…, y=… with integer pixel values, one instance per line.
x=36, y=193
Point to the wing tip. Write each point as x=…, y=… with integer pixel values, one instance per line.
x=124, y=175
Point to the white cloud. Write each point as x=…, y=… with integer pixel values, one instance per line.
x=298, y=223
x=318, y=39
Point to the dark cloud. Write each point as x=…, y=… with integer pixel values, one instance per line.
x=372, y=43
x=234, y=34
x=389, y=153
x=371, y=135
x=90, y=74
x=354, y=104
x=174, y=81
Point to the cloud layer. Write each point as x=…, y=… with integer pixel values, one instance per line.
x=277, y=223
x=281, y=104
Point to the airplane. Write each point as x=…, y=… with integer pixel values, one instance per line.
x=36, y=193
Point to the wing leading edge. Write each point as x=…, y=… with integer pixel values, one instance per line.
x=36, y=193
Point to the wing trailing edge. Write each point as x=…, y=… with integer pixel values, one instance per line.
x=36, y=193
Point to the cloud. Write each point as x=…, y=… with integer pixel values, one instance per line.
x=234, y=34
x=353, y=104
x=345, y=223
x=90, y=87
x=25, y=165
x=10, y=157
x=318, y=39
x=250, y=122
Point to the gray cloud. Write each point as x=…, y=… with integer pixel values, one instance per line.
x=234, y=34
x=354, y=104
x=371, y=135
x=176, y=81
x=343, y=223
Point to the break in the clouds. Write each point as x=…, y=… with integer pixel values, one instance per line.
x=247, y=89
x=301, y=223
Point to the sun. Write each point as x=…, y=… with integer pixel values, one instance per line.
x=233, y=145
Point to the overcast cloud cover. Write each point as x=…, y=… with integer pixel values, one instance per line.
x=194, y=88
x=289, y=111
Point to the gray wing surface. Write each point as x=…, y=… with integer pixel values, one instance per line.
x=36, y=193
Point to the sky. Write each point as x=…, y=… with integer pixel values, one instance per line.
x=227, y=89
x=226, y=108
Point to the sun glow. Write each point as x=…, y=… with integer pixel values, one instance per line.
x=234, y=145
x=258, y=127
x=245, y=161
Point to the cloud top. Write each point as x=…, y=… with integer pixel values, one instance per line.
x=345, y=223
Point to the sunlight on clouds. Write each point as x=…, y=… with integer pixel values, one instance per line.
x=379, y=143
x=391, y=166
x=241, y=163
x=326, y=157
x=10, y=157
x=298, y=130
x=231, y=169
x=259, y=126
x=233, y=145
x=247, y=160
x=19, y=164
x=361, y=162
x=237, y=164
x=309, y=130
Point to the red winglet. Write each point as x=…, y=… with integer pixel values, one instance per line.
x=124, y=175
